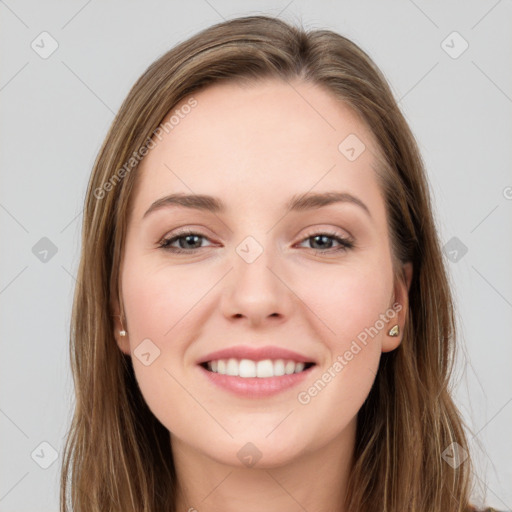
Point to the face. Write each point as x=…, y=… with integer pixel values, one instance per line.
x=257, y=277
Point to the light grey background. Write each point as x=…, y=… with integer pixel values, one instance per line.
x=55, y=114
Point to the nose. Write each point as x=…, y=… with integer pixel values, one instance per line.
x=256, y=292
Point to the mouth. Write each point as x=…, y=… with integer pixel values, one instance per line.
x=262, y=369
x=251, y=379
x=256, y=372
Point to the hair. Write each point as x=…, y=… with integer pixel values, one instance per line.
x=118, y=456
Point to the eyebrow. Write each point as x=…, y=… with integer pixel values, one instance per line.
x=297, y=203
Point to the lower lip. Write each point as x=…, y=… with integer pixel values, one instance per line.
x=256, y=387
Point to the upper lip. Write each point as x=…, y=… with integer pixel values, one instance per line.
x=256, y=354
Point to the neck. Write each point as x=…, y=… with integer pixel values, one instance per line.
x=315, y=480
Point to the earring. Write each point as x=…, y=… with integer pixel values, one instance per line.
x=122, y=332
x=394, y=331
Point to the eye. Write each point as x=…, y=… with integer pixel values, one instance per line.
x=323, y=242
x=188, y=242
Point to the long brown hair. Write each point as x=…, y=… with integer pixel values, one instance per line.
x=118, y=456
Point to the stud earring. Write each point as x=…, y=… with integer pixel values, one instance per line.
x=394, y=331
x=122, y=332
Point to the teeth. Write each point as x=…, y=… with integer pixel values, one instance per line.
x=264, y=368
x=278, y=367
x=289, y=368
x=232, y=367
x=247, y=368
x=299, y=367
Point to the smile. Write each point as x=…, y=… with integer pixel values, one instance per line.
x=255, y=379
x=247, y=368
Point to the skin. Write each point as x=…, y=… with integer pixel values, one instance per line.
x=254, y=147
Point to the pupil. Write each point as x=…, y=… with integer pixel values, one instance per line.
x=187, y=239
x=323, y=237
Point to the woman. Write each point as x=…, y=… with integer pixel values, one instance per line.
x=262, y=318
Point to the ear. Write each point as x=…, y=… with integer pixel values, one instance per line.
x=123, y=342
x=400, y=304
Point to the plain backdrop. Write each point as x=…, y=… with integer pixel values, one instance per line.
x=448, y=64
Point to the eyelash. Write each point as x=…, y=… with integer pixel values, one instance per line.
x=345, y=243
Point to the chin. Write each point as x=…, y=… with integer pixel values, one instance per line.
x=246, y=451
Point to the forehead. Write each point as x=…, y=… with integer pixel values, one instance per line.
x=257, y=141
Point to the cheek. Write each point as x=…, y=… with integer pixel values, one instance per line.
x=354, y=314
x=158, y=300
x=164, y=304
x=347, y=300
x=161, y=308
